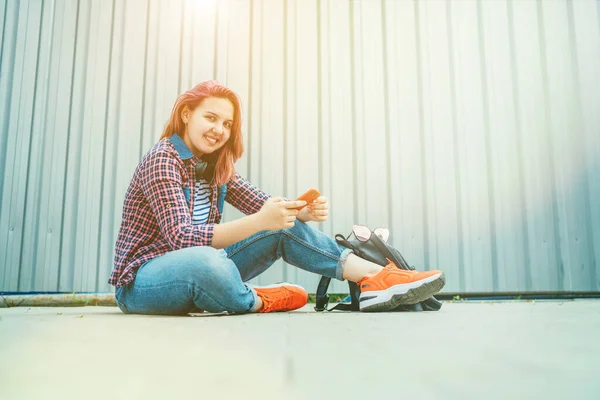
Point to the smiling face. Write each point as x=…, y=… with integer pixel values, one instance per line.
x=208, y=126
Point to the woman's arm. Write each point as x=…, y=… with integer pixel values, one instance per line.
x=276, y=213
x=227, y=233
x=244, y=196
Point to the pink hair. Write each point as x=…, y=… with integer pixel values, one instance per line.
x=224, y=158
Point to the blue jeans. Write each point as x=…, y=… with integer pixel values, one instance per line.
x=204, y=278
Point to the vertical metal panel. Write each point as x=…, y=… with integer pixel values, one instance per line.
x=440, y=151
x=530, y=114
x=505, y=152
x=404, y=113
x=476, y=197
x=35, y=228
x=7, y=18
x=14, y=193
x=469, y=128
x=568, y=146
x=585, y=23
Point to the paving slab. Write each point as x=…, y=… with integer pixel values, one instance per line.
x=492, y=350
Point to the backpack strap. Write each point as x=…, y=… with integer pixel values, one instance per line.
x=342, y=307
x=322, y=299
x=354, y=296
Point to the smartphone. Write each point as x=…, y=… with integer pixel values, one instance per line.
x=309, y=196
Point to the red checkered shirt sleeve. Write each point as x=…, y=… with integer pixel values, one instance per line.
x=244, y=196
x=161, y=181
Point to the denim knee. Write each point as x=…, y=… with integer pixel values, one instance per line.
x=196, y=265
x=300, y=226
x=214, y=277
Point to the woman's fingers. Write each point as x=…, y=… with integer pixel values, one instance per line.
x=291, y=211
x=319, y=204
x=290, y=222
x=319, y=209
x=320, y=212
x=319, y=215
x=294, y=204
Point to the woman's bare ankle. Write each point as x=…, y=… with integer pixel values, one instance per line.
x=258, y=305
x=356, y=268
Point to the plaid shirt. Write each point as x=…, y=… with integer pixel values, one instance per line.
x=157, y=213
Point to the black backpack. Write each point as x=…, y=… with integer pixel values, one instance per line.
x=379, y=252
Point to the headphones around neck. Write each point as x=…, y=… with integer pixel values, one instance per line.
x=205, y=170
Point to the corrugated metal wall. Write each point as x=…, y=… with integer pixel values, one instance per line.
x=470, y=128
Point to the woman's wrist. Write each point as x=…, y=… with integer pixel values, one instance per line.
x=256, y=221
x=304, y=215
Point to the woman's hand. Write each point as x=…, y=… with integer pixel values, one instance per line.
x=277, y=213
x=317, y=211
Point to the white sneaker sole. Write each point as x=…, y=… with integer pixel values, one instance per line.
x=405, y=293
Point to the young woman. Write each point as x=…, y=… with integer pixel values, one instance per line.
x=173, y=256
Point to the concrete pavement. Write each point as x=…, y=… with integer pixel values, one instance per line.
x=473, y=350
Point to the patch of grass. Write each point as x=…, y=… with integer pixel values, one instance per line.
x=333, y=297
x=79, y=302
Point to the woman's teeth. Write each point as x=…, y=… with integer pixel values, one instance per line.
x=211, y=140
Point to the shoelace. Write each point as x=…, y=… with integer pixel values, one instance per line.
x=390, y=264
x=283, y=302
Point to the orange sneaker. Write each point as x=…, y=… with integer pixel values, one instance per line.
x=282, y=297
x=394, y=286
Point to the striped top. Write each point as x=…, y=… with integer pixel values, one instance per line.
x=201, y=202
